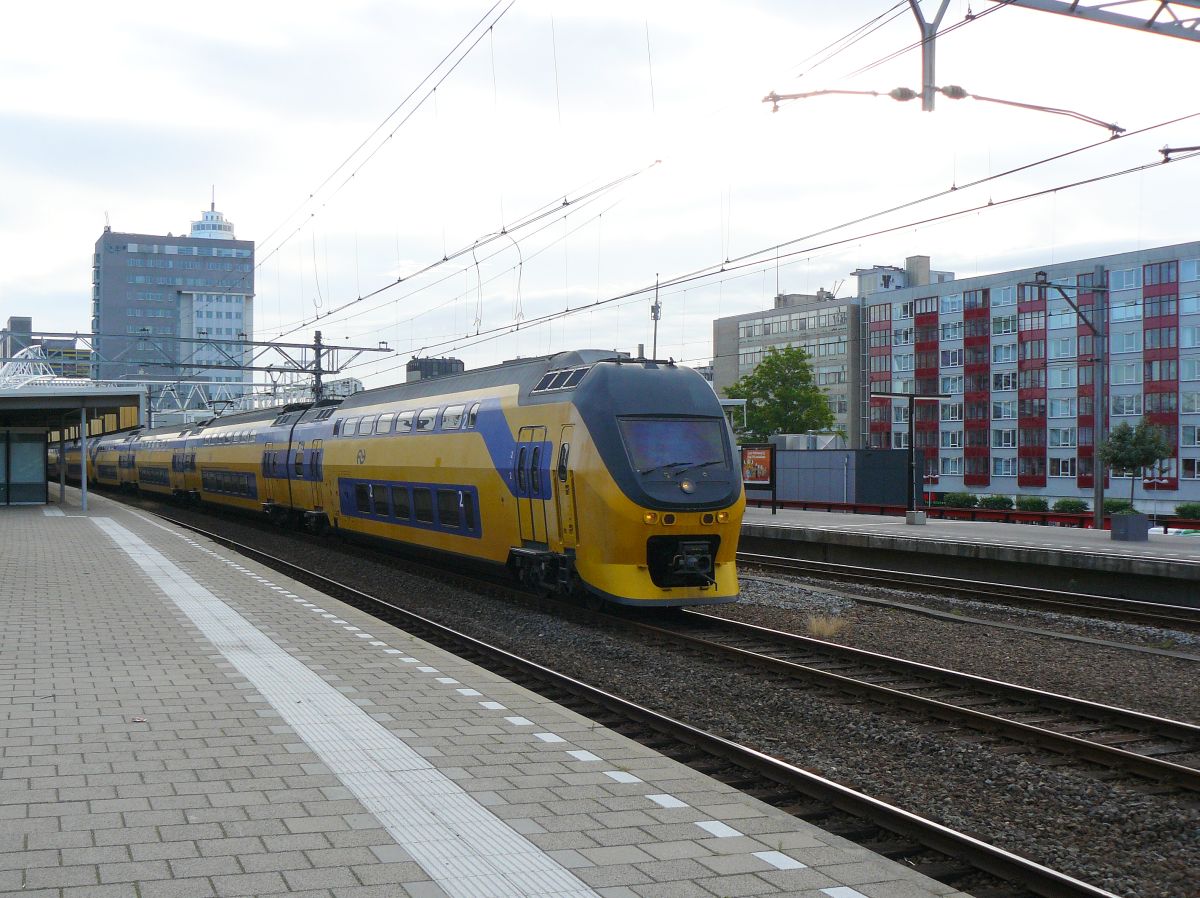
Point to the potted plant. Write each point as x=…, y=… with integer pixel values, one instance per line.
x=1132, y=449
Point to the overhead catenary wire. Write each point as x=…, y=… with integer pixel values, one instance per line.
x=381, y=144
x=776, y=249
x=749, y=261
x=547, y=210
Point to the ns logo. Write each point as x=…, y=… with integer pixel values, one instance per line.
x=362, y=456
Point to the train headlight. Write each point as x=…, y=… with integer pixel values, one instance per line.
x=687, y=486
x=722, y=517
x=650, y=517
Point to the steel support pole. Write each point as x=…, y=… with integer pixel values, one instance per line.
x=62, y=466
x=1099, y=390
x=912, y=455
x=83, y=450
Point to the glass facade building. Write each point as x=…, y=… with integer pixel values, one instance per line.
x=149, y=290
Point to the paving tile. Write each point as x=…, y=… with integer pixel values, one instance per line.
x=218, y=794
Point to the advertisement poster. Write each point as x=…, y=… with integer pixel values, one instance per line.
x=758, y=467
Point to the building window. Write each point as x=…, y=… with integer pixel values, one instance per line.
x=952, y=439
x=1006, y=408
x=1162, y=369
x=951, y=464
x=1004, y=352
x=1063, y=408
x=1161, y=273
x=1126, y=373
x=952, y=358
x=1162, y=402
x=1004, y=438
x=953, y=411
x=951, y=330
x=1062, y=467
x=1127, y=405
x=899, y=439
x=951, y=384
x=1004, y=380
x=1004, y=296
x=1063, y=377
x=1062, y=437
x=1004, y=467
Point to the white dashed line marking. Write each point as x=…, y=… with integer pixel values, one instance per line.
x=582, y=755
x=718, y=829
x=549, y=737
x=779, y=860
x=667, y=801
x=621, y=776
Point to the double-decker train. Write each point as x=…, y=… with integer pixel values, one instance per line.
x=581, y=472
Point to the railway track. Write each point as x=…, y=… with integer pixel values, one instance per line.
x=1171, y=617
x=1119, y=739
x=938, y=851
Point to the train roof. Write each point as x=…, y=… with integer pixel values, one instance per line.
x=523, y=372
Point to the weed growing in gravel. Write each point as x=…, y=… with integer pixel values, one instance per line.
x=825, y=626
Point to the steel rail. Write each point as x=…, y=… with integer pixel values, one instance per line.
x=1178, y=617
x=1005, y=865
x=1109, y=756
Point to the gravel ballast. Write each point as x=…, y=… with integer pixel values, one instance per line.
x=1112, y=833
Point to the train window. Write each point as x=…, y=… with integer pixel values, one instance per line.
x=448, y=508
x=350, y=427
x=564, y=452
x=400, y=508
x=472, y=416
x=468, y=509
x=404, y=422
x=452, y=417
x=300, y=462
x=423, y=504
x=427, y=419
x=521, y=470
x=366, y=425
x=576, y=377
x=535, y=473
x=560, y=380
x=379, y=496
x=545, y=382
x=362, y=497
x=384, y=424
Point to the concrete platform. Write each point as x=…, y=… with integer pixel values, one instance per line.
x=1165, y=568
x=178, y=721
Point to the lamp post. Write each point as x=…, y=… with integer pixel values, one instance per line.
x=1158, y=481
x=1097, y=326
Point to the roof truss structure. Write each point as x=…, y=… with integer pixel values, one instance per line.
x=1171, y=18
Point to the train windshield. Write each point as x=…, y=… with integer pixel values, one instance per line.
x=675, y=443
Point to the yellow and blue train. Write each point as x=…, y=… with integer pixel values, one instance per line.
x=581, y=472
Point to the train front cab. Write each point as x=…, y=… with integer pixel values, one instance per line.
x=639, y=496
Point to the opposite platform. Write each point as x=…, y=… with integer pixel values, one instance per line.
x=1164, y=568
x=178, y=721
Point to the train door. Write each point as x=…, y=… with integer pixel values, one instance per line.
x=564, y=491
x=530, y=462
x=274, y=490
x=315, y=475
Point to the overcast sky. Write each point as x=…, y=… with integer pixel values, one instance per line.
x=133, y=111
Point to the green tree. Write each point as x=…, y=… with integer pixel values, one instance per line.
x=1133, y=449
x=782, y=396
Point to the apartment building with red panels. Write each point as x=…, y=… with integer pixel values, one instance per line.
x=1016, y=363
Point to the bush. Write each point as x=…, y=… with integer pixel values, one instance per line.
x=960, y=500
x=1118, y=506
x=997, y=503
x=1188, y=510
x=1071, y=506
x=1032, y=503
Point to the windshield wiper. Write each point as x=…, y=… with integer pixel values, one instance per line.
x=663, y=466
x=684, y=465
